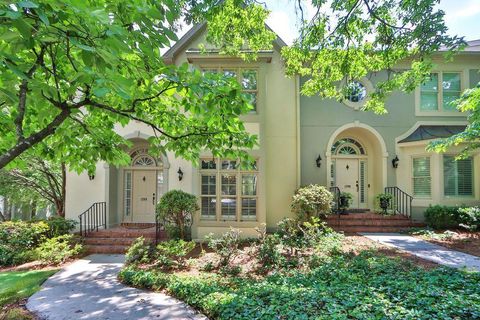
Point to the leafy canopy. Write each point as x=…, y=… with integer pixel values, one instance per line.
x=350, y=39
x=72, y=71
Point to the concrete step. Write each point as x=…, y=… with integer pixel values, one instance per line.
x=92, y=248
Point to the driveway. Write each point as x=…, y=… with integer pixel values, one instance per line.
x=89, y=289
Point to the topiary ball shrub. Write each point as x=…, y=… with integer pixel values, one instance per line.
x=176, y=209
x=311, y=201
x=442, y=217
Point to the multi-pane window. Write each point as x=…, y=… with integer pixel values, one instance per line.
x=439, y=91
x=421, y=177
x=457, y=176
x=248, y=79
x=227, y=191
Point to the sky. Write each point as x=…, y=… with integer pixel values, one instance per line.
x=461, y=16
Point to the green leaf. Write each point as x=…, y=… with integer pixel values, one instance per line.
x=27, y=4
x=101, y=92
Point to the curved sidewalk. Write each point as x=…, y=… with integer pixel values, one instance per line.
x=89, y=289
x=426, y=250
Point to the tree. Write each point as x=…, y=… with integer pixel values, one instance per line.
x=36, y=179
x=73, y=70
x=350, y=39
x=469, y=138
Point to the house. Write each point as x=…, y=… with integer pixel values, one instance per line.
x=302, y=140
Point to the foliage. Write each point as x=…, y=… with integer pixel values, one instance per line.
x=348, y=40
x=310, y=201
x=469, y=218
x=17, y=238
x=73, y=70
x=176, y=209
x=348, y=198
x=469, y=102
x=431, y=234
x=17, y=285
x=339, y=288
x=58, y=249
x=172, y=253
x=139, y=252
x=58, y=226
x=36, y=180
x=226, y=246
x=441, y=217
x=377, y=201
x=269, y=254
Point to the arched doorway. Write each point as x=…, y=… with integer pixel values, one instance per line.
x=357, y=163
x=144, y=182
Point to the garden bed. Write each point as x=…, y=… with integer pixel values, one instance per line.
x=460, y=240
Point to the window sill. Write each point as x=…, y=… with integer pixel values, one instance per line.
x=440, y=114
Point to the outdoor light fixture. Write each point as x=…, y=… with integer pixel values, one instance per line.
x=318, y=161
x=395, y=162
x=91, y=177
x=180, y=174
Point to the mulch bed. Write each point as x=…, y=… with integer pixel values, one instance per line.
x=467, y=242
x=22, y=310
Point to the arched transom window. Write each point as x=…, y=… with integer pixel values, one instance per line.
x=347, y=146
x=141, y=158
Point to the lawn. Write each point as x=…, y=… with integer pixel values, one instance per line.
x=17, y=285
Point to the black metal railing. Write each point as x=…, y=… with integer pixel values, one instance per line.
x=158, y=229
x=336, y=199
x=93, y=218
x=401, y=202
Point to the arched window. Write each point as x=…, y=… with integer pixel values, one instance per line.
x=347, y=146
x=141, y=158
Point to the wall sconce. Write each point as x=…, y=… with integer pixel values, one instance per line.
x=318, y=161
x=91, y=177
x=180, y=174
x=395, y=162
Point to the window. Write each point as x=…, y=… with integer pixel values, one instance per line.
x=347, y=146
x=421, y=177
x=227, y=191
x=355, y=91
x=439, y=91
x=248, y=79
x=128, y=193
x=457, y=176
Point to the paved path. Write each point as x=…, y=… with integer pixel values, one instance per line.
x=88, y=289
x=427, y=250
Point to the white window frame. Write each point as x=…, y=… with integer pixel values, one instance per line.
x=238, y=71
x=442, y=160
x=412, y=178
x=238, y=172
x=464, y=80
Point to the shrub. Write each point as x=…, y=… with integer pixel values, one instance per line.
x=58, y=249
x=17, y=237
x=469, y=218
x=310, y=201
x=172, y=253
x=58, y=226
x=269, y=254
x=176, y=209
x=225, y=246
x=139, y=252
x=348, y=198
x=442, y=217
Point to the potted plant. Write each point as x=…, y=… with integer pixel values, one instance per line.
x=384, y=200
x=345, y=201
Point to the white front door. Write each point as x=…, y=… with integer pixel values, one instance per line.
x=347, y=178
x=144, y=196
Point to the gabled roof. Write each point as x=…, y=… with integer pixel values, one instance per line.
x=472, y=46
x=182, y=44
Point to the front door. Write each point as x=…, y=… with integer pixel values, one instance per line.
x=347, y=178
x=144, y=196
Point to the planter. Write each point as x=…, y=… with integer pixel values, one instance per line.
x=343, y=203
x=384, y=204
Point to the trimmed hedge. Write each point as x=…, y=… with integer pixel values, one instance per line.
x=445, y=217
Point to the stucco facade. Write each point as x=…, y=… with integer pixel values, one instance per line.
x=299, y=139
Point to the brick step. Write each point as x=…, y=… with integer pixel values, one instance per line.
x=124, y=234
x=92, y=248
x=372, y=222
x=355, y=229
x=112, y=241
x=363, y=216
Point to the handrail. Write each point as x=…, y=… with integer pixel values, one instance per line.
x=93, y=218
x=401, y=201
x=336, y=198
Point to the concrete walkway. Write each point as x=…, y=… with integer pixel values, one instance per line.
x=89, y=289
x=427, y=250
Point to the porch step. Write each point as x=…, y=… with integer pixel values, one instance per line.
x=118, y=240
x=371, y=222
